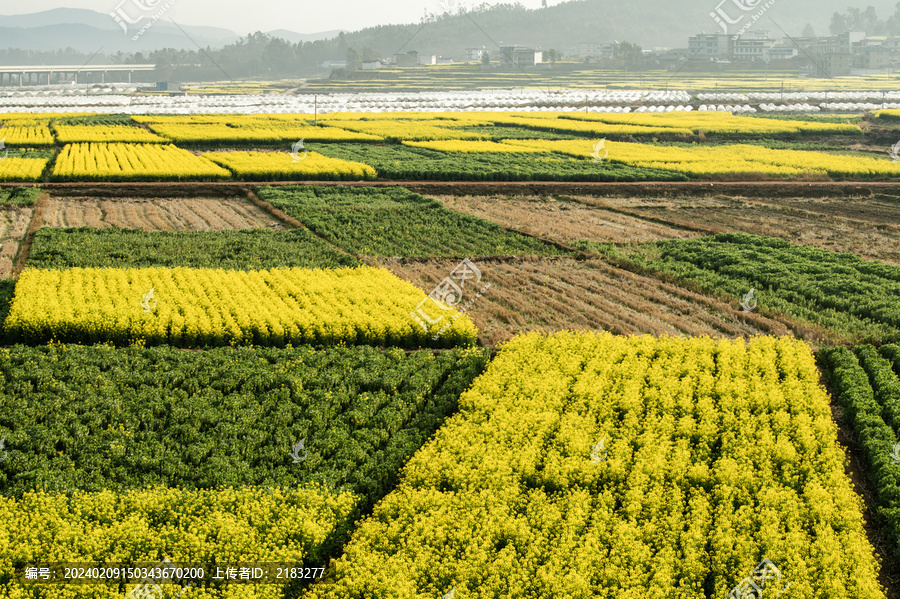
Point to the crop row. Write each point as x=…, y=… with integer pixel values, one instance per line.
x=269, y=166
x=26, y=135
x=721, y=124
x=210, y=307
x=406, y=162
x=724, y=160
x=19, y=196
x=209, y=526
x=99, y=418
x=396, y=222
x=22, y=169
x=130, y=162
x=105, y=134
x=590, y=465
x=238, y=130
x=251, y=249
x=856, y=298
x=869, y=390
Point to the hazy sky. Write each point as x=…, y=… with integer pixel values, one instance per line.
x=302, y=16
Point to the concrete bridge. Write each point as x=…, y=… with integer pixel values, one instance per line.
x=44, y=74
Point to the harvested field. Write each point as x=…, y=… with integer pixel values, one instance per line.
x=562, y=220
x=159, y=214
x=866, y=226
x=13, y=225
x=548, y=294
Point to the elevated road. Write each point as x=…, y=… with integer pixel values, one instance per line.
x=43, y=74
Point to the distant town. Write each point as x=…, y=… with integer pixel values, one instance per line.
x=849, y=53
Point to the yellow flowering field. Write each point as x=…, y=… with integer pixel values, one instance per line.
x=255, y=131
x=549, y=122
x=105, y=133
x=703, y=161
x=129, y=162
x=26, y=136
x=470, y=147
x=244, y=525
x=22, y=169
x=716, y=122
x=402, y=130
x=280, y=165
x=592, y=465
x=209, y=307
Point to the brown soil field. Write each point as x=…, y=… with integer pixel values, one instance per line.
x=563, y=220
x=13, y=226
x=158, y=214
x=547, y=294
x=867, y=226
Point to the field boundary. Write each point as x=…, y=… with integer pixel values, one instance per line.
x=649, y=189
x=37, y=221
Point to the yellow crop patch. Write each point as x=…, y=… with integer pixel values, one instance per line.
x=200, y=307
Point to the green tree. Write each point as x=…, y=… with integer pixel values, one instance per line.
x=631, y=54
x=354, y=59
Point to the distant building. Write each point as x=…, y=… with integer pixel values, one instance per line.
x=711, y=46
x=474, y=54
x=520, y=56
x=371, y=65
x=754, y=47
x=776, y=53
x=888, y=42
x=333, y=64
x=832, y=64
x=674, y=59
x=408, y=59
x=873, y=58
x=588, y=50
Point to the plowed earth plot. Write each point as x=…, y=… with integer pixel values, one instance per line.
x=13, y=224
x=562, y=220
x=158, y=214
x=549, y=294
x=866, y=226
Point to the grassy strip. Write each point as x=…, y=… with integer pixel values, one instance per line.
x=397, y=222
x=403, y=162
x=251, y=249
x=19, y=196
